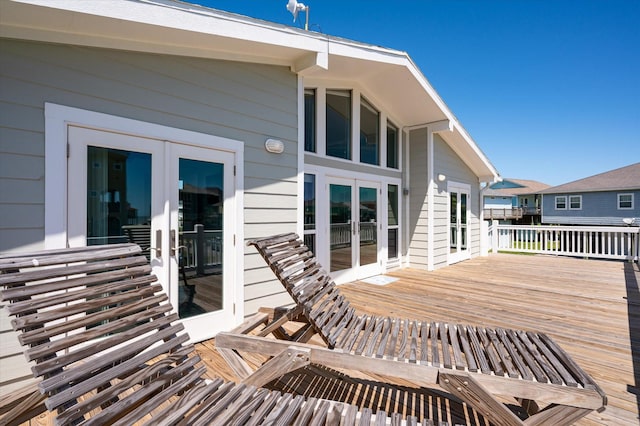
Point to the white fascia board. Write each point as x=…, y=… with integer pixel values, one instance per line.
x=156, y=26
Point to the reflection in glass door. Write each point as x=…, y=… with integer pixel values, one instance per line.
x=200, y=237
x=340, y=224
x=118, y=197
x=368, y=225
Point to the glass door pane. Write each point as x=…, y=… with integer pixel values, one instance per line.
x=368, y=225
x=200, y=237
x=340, y=247
x=118, y=197
x=463, y=221
x=453, y=222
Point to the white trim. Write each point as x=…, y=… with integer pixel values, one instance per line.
x=430, y=201
x=632, y=201
x=301, y=151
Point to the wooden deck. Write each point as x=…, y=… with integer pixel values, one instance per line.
x=590, y=307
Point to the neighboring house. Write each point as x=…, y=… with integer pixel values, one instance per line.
x=604, y=199
x=515, y=201
x=204, y=129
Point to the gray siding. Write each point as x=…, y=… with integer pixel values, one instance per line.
x=418, y=228
x=598, y=208
x=246, y=102
x=451, y=165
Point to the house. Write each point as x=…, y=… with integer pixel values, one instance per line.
x=610, y=198
x=517, y=201
x=201, y=129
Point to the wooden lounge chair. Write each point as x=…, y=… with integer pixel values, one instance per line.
x=480, y=366
x=109, y=350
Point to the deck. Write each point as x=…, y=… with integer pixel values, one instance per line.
x=590, y=307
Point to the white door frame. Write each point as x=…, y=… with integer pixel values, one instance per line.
x=322, y=174
x=58, y=118
x=459, y=255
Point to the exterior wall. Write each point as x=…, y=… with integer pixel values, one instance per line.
x=247, y=102
x=495, y=202
x=451, y=165
x=598, y=208
x=446, y=162
x=418, y=226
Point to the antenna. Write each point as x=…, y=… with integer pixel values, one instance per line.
x=294, y=7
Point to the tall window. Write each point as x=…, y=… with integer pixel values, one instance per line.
x=310, y=211
x=339, y=124
x=369, y=133
x=392, y=195
x=392, y=146
x=310, y=120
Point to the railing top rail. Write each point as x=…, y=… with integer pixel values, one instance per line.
x=625, y=229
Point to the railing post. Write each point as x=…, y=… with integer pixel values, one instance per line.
x=199, y=228
x=494, y=236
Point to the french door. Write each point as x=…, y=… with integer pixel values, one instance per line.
x=172, y=199
x=354, y=229
x=458, y=221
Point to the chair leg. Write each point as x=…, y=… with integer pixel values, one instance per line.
x=557, y=415
x=288, y=360
x=477, y=396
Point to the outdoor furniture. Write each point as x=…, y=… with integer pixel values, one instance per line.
x=486, y=368
x=109, y=349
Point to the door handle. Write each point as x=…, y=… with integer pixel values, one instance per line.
x=158, y=247
x=174, y=249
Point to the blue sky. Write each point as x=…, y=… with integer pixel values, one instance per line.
x=549, y=89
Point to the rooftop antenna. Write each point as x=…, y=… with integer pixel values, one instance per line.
x=294, y=7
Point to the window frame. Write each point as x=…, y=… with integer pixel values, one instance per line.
x=391, y=125
x=558, y=198
x=313, y=117
x=365, y=104
x=569, y=204
x=620, y=195
x=322, y=90
x=349, y=94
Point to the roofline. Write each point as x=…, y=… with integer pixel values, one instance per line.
x=185, y=29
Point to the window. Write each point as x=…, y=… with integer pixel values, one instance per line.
x=625, y=201
x=392, y=146
x=561, y=203
x=310, y=120
x=392, y=220
x=339, y=124
x=369, y=133
x=575, y=202
x=310, y=211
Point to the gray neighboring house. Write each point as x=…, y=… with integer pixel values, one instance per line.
x=199, y=129
x=607, y=198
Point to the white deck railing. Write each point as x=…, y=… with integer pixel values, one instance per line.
x=606, y=242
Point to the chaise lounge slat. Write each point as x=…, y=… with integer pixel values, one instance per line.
x=488, y=362
x=108, y=348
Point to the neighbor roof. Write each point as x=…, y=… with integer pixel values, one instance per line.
x=177, y=28
x=624, y=178
x=519, y=187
